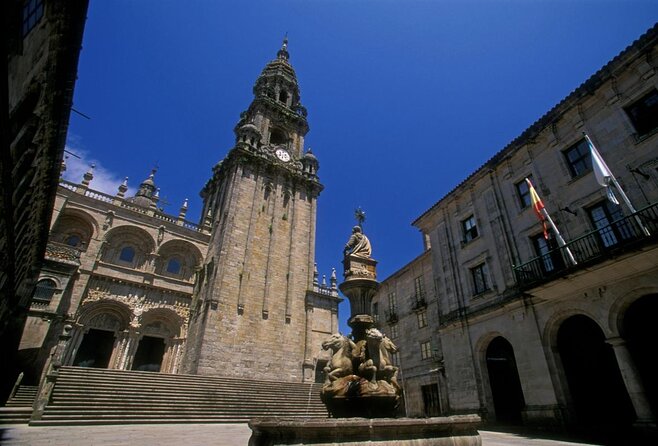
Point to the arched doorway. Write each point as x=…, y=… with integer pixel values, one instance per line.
x=598, y=394
x=149, y=354
x=640, y=331
x=504, y=382
x=95, y=349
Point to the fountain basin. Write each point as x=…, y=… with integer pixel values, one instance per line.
x=457, y=430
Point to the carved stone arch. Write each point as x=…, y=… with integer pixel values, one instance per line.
x=75, y=227
x=105, y=314
x=161, y=322
x=121, y=237
x=188, y=254
x=622, y=303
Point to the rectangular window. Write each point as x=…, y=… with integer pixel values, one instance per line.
x=523, y=192
x=578, y=158
x=469, y=229
x=375, y=311
x=419, y=288
x=425, y=350
x=431, y=400
x=479, y=275
x=602, y=216
x=422, y=319
x=32, y=14
x=545, y=249
x=644, y=113
x=392, y=302
x=394, y=331
x=395, y=359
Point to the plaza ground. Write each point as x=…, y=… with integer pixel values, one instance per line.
x=201, y=435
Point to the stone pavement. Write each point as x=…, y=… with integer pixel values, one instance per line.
x=192, y=435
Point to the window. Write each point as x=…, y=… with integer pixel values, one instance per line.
x=602, y=215
x=431, y=400
x=479, y=275
x=395, y=359
x=394, y=331
x=578, y=158
x=469, y=229
x=173, y=266
x=644, y=113
x=419, y=289
x=283, y=96
x=73, y=240
x=44, y=291
x=422, y=319
x=375, y=309
x=127, y=254
x=523, y=192
x=277, y=137
x=32, y=13
x=392, y=302
x=550, y=260
x=425, y=350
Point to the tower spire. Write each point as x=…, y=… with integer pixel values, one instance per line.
x=283, y=52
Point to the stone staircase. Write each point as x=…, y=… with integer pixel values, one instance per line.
x=18, y=408
x=86, y=396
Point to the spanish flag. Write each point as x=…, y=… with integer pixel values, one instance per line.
x=538, y=206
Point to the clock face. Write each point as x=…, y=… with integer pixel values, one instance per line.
x=282, y=155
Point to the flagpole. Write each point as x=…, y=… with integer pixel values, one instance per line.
x=614, y=181
x=558, y=236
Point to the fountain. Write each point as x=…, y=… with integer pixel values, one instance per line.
x=361, y=390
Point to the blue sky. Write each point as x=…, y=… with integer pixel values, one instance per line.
x=405, y=98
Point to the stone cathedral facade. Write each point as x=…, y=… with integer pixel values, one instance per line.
x=236, y=292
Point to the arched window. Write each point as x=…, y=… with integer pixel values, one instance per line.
x=127, y=254
x=44, y=290
x=283, y=96
x=73, y=240
x=277, y=136
x=174, y=266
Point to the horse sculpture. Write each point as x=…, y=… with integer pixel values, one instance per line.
x=341, y=361
x=378, y=364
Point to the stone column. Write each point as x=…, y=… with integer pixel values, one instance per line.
x=308, y=366
x=632, y=381
x=118, y=359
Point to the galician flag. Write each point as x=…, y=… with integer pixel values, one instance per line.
x=538, y=206
x=601, y=171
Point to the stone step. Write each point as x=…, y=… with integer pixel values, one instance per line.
x=23, y=397
x=15, y=415
x=161, y=377
x=101, y=396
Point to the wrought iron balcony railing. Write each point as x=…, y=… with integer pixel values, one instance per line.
x=418, y=301
x=391, y=317
x=625, y=234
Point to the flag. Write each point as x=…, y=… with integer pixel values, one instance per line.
x=601, y=172
x=538, y=206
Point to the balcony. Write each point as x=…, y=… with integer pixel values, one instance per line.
x=62, y=253
x=626, y=234
x=392, y=316
x=418, y=301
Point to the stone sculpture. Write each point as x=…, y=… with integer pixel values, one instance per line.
x=358, y=245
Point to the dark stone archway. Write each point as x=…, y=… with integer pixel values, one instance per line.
x=149, y=354
x=599, y=397
x=640, y=331
x=95, y=349
x=504, y=381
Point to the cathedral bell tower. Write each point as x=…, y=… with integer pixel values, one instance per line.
x=251, y=315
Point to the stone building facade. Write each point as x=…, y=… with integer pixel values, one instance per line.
x=518, y=332
x=121, y=272
x=236, y=294
x=43, y=41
